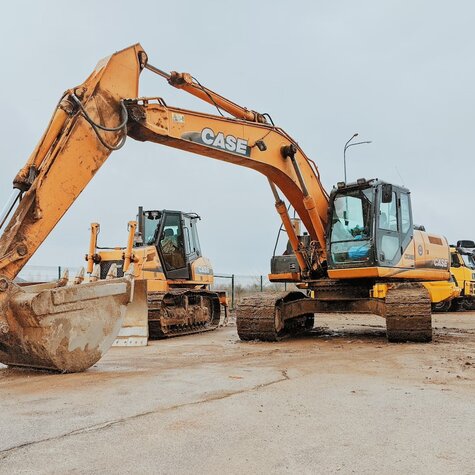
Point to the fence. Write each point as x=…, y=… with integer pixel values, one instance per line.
x=45, y=273
x=236, y=285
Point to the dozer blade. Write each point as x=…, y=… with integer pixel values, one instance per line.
x=134, y=331
x=65, y=329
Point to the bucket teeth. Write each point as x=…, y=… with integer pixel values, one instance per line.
x=79, y=277
x=130, y=270
x=64, y=279
x=96, y=273
x=112, y=274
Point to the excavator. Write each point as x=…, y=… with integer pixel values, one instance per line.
x=361, y=252
x=170, y=272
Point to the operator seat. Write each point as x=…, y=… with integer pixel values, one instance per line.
x=172, y=251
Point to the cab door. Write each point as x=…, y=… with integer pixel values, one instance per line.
x=172, y=246
x=190, y=234
x=407, y=227
x=388, y=228
x=394, y=229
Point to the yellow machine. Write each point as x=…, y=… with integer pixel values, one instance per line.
x=462, y=269
x=361, y=253
x=170, y=272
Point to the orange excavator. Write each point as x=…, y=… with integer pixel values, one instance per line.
x=361, y=252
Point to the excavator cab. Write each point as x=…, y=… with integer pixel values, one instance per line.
x=369, y=225
x=175, y=236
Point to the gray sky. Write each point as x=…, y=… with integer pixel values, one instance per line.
x=399, y=73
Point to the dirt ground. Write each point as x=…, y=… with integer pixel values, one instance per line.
x=340, y=400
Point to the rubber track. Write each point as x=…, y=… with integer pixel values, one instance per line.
x=158, y=328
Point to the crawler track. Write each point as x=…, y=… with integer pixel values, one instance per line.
x=407, y=309
x=258, y=317
x=182, y=312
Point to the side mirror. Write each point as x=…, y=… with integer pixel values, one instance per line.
x=386, y=193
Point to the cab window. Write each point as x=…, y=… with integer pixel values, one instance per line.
x=388, y=214
x=351, y=226
x=455, y=260
x=151, y=225
x=405, y=213
x=172, y=242
x=192, y=244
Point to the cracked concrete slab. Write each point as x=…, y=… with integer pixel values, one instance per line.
x=339, y=400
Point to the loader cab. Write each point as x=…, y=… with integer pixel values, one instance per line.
x=465, y=251
x=461, y=258
x=369, y=224
x=175, y=236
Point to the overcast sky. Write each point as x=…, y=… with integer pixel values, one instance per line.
x=399, y=73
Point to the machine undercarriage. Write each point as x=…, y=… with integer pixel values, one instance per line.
x=406, y=309
x=182, y=312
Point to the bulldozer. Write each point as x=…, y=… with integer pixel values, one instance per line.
x=361, y=252
x=172, y=292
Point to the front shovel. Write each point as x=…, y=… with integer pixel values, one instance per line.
x=65, y=329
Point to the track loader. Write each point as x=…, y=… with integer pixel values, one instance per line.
x=462, y=270
x=172, y=277
x=361, y=253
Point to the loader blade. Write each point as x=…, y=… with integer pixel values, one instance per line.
x=65, y=329
x=134, y=331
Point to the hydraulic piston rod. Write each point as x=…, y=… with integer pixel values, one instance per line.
x=8, y=208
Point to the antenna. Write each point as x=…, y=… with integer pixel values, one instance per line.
x=400, y=176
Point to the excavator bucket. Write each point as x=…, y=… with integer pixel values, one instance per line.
x=65, y=329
